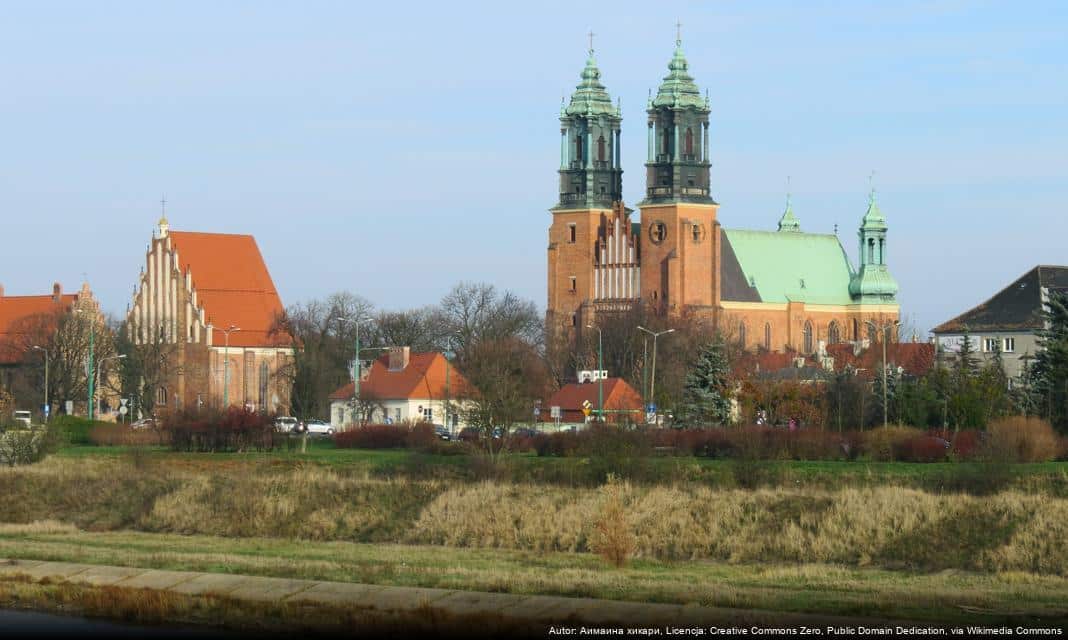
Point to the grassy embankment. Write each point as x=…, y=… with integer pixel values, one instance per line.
x=855, y=551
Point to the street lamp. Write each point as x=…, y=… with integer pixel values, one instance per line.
x=652, y=384
x=226, y=366
x=356, y=367
x=101, y=366
x=46, y=408
x=448, y=399
x=600, y=372
x=884, y=329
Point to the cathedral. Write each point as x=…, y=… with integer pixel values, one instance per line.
x=778, y=290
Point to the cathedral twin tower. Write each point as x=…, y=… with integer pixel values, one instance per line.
x=678, y=258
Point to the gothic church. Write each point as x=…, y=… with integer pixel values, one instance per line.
x=778, y=290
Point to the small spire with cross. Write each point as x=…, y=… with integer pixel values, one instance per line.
x=871, y=186
x=678, y=33
x=591, y=41
x=163, y=226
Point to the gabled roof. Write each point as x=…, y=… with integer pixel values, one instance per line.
x=15, y=311
x=916, y=358
x=422, y=379
x=616, y=392
x=1017, y=307
x=232, y=284
x=784, y=267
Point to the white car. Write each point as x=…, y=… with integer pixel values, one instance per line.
x=318, y=427
x=23, y=418
x=287, y=424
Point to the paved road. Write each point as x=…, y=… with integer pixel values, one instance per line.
x=533, y=613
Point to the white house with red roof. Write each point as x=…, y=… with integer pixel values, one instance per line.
x=403, y=386
x=210, y=298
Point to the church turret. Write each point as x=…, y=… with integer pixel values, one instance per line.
x=677, y=168
x=789, y=221
x=590, y=171
x=873, y=282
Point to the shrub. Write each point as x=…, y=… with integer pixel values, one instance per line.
x=885, y=443
x=612, y=536
x=373, y=436
x=966, y=444
x=233, y=430
x=109, y=434
x=922, y=449
x=75, y=430
x=24, y=446
x=1021, y=439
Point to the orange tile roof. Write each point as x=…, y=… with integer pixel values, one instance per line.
x=916, y=358
x=618, y=395
x=233, y=285
x=423, y=378
x=13, y=311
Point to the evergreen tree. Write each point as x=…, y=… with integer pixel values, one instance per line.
x=994, y=386
x=706, y=394
x=1050, y=370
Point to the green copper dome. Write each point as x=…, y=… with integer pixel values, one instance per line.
x=590, y=97
x=873, y=282
x=678, y=88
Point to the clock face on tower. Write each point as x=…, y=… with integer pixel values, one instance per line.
x=657, y=232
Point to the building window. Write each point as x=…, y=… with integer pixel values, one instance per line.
x=428, y=414
x=600, y=149
x=833, y=334
x=871, y=251
x=990, y=345
x=572, y=231
x=767, y=336
x=667, y=141
x=574, y=284
x=1009, y=345
x=265, y=375
x=657, y=232
x=578, y=148
x=574, y=320
x=689, y=141
x=696, y=230
x=741, y=334
x=161, y=396
x=856, y=330
x=808, y=337
x=396, y=415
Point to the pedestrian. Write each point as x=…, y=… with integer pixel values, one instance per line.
x=793, y=424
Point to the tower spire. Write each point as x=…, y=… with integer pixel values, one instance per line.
x=789, y=221
x=591, y=41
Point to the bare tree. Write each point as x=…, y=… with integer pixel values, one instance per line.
x=477, y=312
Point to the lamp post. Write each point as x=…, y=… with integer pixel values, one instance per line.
x=449, y=354
x=226, y=365
x=101, y=366
x=883, y=328
x=46, y=407
x=657, y=334
x=356, y=366
x=600, y=371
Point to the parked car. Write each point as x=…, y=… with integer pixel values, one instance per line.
x=146, y=423
x=287, y=424
x=318, y=428
x=523, y=432
x=23, y=418
x=441, y=432
x=469, y=434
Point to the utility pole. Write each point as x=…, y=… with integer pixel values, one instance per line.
x=884, y=330
x=600, y=370
x=89, y=363
x=652, y=384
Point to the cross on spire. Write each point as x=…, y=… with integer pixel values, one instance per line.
x=163, y=206
x=678, y=33
x=871, y=185
x=591, y=41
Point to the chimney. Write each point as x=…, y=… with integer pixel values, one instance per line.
x=57, y=291
x=398, y=358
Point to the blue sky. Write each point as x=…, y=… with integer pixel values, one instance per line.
x=394, y=150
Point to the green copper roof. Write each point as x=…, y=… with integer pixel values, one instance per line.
x=874, y=218
x=798, y=267
x=678, y=88
x=873, y=283
x=590, y=97
x=789, y=221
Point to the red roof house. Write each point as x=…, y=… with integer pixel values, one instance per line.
x=618, y=396
x=17, y=317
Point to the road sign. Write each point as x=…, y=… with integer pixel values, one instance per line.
x=123, y=410
x=123, y=401
x=47, y=410
x=651, y=408
x=650, y=418
x=586, y=411
x=537, y=411
x=554, y=412
x=70, y=407
x=586, y=404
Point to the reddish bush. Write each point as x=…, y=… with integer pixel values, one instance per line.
x=922, y=449
x=232, y=430
x=125, y=435
x=966, y=445
x=374, y=436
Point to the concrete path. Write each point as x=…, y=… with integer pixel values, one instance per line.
x=527, y=610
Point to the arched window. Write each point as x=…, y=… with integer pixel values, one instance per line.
x=871, y=250
x=600, y=149
x=741, y=334
x=808, y=337
x=578, y=148
x=856, y=330
x=689, y=141
x=161, y=396
x=666, y=146
x=767, y=336
x=833, y=333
